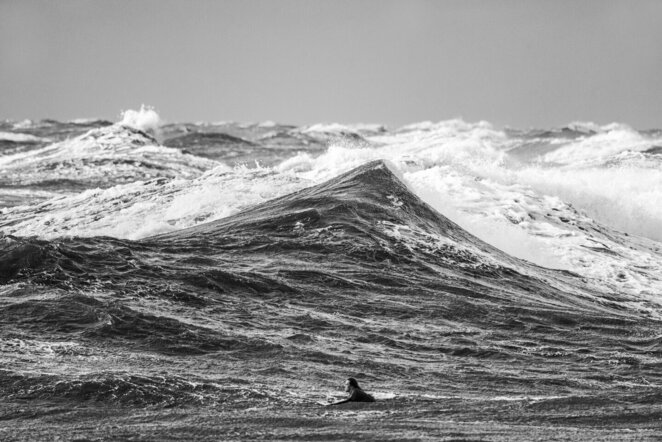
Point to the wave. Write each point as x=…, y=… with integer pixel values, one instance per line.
x=355, y=276
x=102, y=158
x=365, y=216
x=12, y=143
x=371, y=201
x=142, y=209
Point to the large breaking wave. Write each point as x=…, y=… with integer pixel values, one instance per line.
x=573, y=198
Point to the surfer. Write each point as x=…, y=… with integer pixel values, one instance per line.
x=356, y=393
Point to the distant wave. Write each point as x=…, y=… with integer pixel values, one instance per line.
x=17, y=137
x=101, y=157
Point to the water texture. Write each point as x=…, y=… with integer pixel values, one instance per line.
x=221, y=280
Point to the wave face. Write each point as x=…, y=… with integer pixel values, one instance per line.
x=445, y=265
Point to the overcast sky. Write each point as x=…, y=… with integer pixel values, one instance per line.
x=516, y=63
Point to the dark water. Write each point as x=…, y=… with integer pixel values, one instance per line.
x=256, y=317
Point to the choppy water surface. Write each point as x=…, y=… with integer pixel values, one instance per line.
x=221, y=280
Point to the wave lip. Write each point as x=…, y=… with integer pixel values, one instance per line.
x=360, y=201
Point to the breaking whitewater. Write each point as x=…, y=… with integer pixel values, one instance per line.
x=222, y=280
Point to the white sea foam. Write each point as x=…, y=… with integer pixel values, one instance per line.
x=267, y=124
x=327, y=128
x=23, y=124
x=600, y=146
x=142, y=209
x=145, y=119
x=628, y=199
x=18, y=137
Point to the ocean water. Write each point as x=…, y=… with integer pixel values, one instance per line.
x=225, y=266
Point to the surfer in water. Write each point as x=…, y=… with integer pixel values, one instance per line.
x=356, y=394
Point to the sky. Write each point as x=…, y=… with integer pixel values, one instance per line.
x=521, y=64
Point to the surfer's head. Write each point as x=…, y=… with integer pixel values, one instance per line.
x=351, y=383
